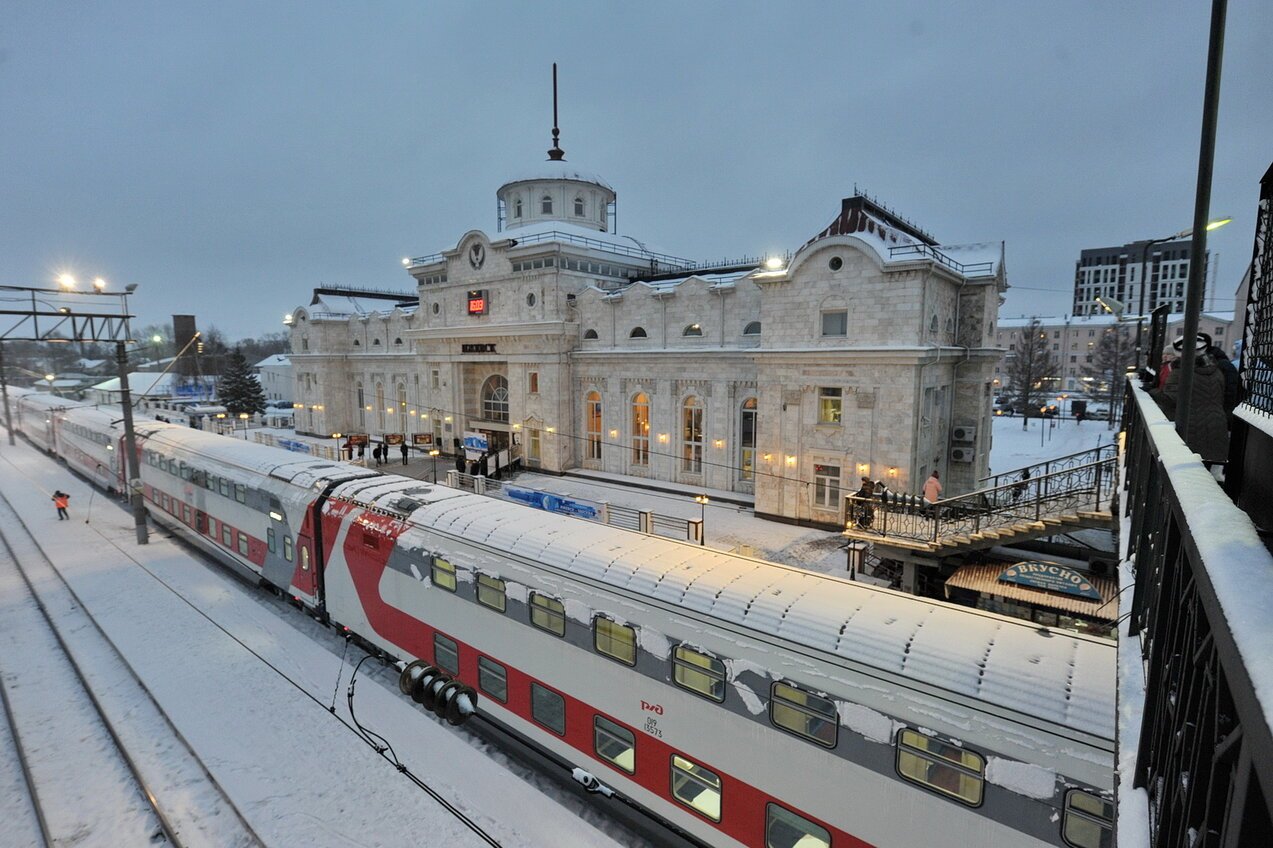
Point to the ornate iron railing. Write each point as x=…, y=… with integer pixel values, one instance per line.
x=1203, y=580
x=1061, y=463
x=1257, y=336
x=1086, y=488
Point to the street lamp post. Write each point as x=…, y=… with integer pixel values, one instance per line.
x=702, y=501
x=337, y=436
x=243, y=416
x=1144, y=262
x=433, y=454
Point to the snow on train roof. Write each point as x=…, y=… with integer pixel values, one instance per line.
x=1013, y=665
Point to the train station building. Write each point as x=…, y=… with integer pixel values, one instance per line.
x=868, y=351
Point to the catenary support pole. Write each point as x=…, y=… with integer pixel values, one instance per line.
x=4, y=389
x=1201, y=209
x=130, y=447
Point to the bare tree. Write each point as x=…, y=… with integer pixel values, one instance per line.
x=1029, y=367
x=1111, y=358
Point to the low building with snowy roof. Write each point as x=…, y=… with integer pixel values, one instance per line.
x=784, y=380
x=274, y=373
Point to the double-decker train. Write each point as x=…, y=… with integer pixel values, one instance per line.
x=738, y=702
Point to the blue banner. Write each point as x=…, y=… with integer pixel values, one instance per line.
x=554, y=503
x=1050, y=577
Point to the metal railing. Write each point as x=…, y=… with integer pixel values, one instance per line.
x=929, y=252
x=1205, y=752
x=1061, y=463
x=1086, y=488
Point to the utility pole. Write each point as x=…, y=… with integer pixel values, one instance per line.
x=130, y=447
x=4, y=389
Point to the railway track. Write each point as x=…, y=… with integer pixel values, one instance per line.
x=98, y=759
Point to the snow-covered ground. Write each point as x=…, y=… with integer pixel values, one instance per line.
x=248, y=682
x=1043, y=439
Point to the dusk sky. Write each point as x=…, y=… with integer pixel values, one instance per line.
x=228, y=157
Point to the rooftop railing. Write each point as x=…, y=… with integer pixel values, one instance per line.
x=971, y=269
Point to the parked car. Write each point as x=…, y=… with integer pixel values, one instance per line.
x=1098, y=412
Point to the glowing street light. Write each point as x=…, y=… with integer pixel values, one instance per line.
x=434, y=454
x=99, y=284
x=66, y=281
x=702, y=501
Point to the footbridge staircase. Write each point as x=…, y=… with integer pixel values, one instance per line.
x=1068, y=493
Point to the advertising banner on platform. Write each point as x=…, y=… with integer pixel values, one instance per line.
x=394, y=438
x=579, y=507
x=357, y=439
x=422, y=440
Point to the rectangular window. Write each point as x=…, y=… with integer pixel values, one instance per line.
x=614, y=743
x=692, y=436
x=446, y=653
x=223, y=486
x=785, y=829
x=804, y=714
x=548, y=708
x=287, y=547
x=532, y=382
x=270, y=541
x=492, y=678
x=532, y=446
x=696, y=787
x=641, y=430
x=443, y=574
x=227, y=537
x=548, y=614
x=1089, y=820
x=698, y=672
x=435, y=379
x=830, y=405
x=835, y=323
x=185, y=513
x=240, y=493
x=614, y=640
x=490, y=592
x=243, y=544
x=185, y=471
x=826, y=486
x=947, y=769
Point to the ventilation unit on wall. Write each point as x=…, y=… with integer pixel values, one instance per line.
x=964, y=433
x=962, y=454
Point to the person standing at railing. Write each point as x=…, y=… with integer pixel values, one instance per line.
x=1208, y=434
x=932, y=488
x=1019, y=489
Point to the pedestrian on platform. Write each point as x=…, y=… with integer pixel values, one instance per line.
x=932, y=488
x=403, y=448
x=61, y=500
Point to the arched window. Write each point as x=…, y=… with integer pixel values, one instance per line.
x=592, y=421
x=747, y=440
x=546, y=205
x=357, y=343
x=637, y=333
x=375, y=342
x=495, y=398
x=641, y=429
x=380, y=407
x=693, y=330
x=752, y=329
x=578, y=207
x=517, y=207
x=692, y=435
x=397, y=342
x=362, y=406
x=589, y=334
x=402, y=408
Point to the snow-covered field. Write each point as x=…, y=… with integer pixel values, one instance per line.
x=1042, y=440
x=248, y=682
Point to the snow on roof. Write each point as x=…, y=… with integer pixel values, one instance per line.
x=557, y=170
x=540, y=229
x=1052, y=676
x=143, y=383
x=1104, y=319
x=350, y=306
x=275, y=359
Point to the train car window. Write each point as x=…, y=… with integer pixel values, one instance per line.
x=548, y=708
x=185, y=513
x=185, y=471
x=243, y=543
x=443, y=574
x=223, y=485
x=201, y=522
x=163, y=502
x=446, y=653
x=492, y=678
x=172, y=466
x=270, y=541
x=614, y=639
x=948, y=769
x=785, y=829
x=304, y=556
x=227, y=538
x=614, y=743
x=490, y=592
x=287, y=547
x=804, y=714
x=696, y=787
x=548, y=614
x=1089, y=820
x=698, y=672
x=240, y=493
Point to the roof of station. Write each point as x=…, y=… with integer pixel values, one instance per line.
x=552, y=169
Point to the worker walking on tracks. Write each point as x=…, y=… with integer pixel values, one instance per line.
x=61, y=500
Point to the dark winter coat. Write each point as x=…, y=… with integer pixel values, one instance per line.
x=1208, y=434
x=1232, y=382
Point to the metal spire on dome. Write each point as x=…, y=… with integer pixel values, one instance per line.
x=556, y=154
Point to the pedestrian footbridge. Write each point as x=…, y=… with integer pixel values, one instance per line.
x=1069, y=493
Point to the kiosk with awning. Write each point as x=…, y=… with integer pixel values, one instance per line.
x=1047, y=593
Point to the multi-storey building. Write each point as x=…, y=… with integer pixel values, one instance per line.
x=574, y=346
x=1120, y=272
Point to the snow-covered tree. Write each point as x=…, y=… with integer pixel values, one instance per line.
x=1029, y=367
x=238, y=387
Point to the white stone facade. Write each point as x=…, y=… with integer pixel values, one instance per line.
x=854, y=357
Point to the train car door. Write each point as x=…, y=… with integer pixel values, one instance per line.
x=305, y=578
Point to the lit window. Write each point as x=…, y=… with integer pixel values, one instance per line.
x=614, y=743
x=696, y=787
x=747, y=440
x=490, y=592
x=804, y=714
x=698, y=672
x=830, y=405
x=835, y=323
x=692, y=435
x=948, y=769
x=446, y=653
x=548, y=614
x=492, y=678
x=1089, y=820
x=785, y=829
x=548, y=708
x=693, y=330
x=614, y=640
x=641, y=429
x=443, y=574
x=592, y=428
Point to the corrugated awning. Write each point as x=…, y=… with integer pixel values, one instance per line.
x=985, y=579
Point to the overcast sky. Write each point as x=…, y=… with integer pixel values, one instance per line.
x=228, y=157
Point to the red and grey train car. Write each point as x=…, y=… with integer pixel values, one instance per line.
x=740, y=702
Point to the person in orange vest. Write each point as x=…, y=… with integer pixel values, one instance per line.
x=60, y=500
